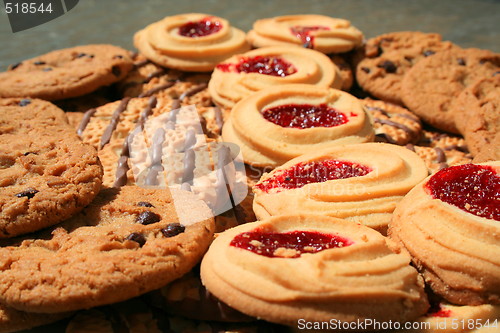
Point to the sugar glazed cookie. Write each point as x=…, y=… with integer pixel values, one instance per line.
x=388, y=57
x=66, y=73
x=127, y=242
x=321, y=33
x=430, y=86
x=449, y=224
x=315, y=268
x=190, y=42
x=244, y=74
x=361, y=183
x=280, y=123
x=47, y=174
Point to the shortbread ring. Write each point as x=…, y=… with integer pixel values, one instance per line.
x=277, y=124
x=361, y=183
x=244, y=74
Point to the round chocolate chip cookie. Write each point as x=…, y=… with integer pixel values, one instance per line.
x=388, y=57
x=127, y=242
x=429, y=88
x=46, y=173
x=66, y=73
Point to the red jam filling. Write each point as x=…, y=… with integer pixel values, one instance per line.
x=437, y=310
x=289, y=244
x=472, y=188
x=304, y=34
x=313, y=172
x=304, y=116
x=274, y=66
x=201, y=28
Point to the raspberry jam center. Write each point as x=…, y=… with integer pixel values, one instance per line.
x=304, y=33
x=313, y=172
x=274, y=66
x=201, y=28
x=472, y=188
x=289, y=244
x=304, y=116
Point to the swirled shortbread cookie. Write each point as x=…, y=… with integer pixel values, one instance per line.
x=449, y=224
x=190, y=42
x=315, y=268
x=46, y=173
x=66, y=73
x=127, y=242
x=361, y=183
x=244, y=74
x=390, y=56
x=280, y=123
x=429, y=88
x=393, y=123
x=12, y=320
x=477, y=113
x=321, y=33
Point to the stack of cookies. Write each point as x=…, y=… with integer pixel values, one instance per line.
x=334, y=171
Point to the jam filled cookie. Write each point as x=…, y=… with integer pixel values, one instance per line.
x=46, y=173
x=477, y=114
x=190, y=42
x=244, y=74
x=361, y=183
x=321, y=33
x=449, y=224
x=66, y=73
x=314, y=268
x=280, y=123
x=429, y=88
x=393, y=123
x=127, y=242
x=388, y=57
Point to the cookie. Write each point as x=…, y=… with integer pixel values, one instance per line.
x=244, y=74
x=429, y=88
x=66, y=73
x=318, y=32
x=277, y=124
x=437, y=158
x=128, y=241
x=12, y=320
x=477, y=113
x=361, y=183
x=190, y=42
x=47, y=174
x=334, y=269
x=449, y=225
x=388, y=57
x=489, y=153
x=345, y=71
x=393, y=123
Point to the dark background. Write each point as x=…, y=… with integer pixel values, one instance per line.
x=469, y=23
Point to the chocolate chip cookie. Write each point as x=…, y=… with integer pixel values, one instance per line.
x=388, y=57
x=66, y=73
x=128, y=241
x=429, y=88
x=46, y=173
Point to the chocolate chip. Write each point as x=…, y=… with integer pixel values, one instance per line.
x=118, y=56
x=47, y=69
x=380, y=50
x=428, y=53
x=147, y=217
x=389, y=66
x=496, y=73
x=24, y=102
x=12, y=67
x=29, y=153
x=173, y=229
x=144, y=204
x=39, y=63
x=91, y=56
x=461, y=61
x=365, y=69
x=138, y=238
x=29, y=193
x=81, y=55
x=116, y=71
